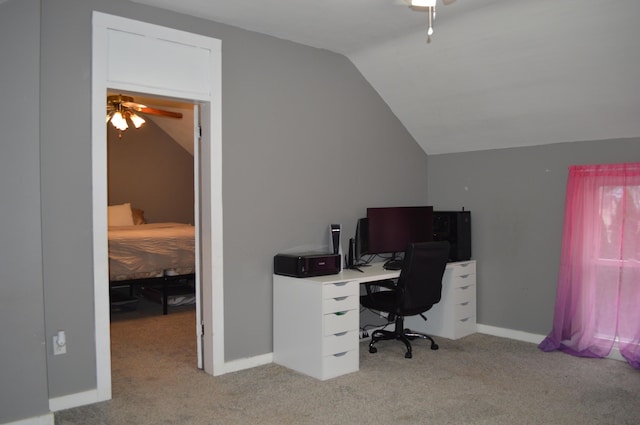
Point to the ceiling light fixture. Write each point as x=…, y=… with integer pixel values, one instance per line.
x=430, y=7
x=118, y=121
x=120, y=113
x=137, y=120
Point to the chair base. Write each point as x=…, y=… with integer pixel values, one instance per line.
x=406, y=335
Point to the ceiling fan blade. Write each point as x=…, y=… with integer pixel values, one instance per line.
x=115, y=102
x=161, y=112
x=133, y=105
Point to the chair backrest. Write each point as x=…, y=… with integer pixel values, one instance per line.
x=420, y=281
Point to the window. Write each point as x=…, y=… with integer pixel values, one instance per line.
x=598, y=296
x=620, y=207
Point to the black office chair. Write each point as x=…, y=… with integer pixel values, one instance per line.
x=417, y=289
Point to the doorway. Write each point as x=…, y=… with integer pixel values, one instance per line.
x=153, y=169
x=190, y=66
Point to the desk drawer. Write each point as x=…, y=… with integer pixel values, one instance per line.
x=463, y=268
x=340, y=363
x=341, y=322
x=332, y=305
x=463, y=280
x=465, y=326
x=464, y=293
x=465, y=309
x=340, y=289
x=339, y=343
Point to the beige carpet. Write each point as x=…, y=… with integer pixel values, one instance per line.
x=479, y=379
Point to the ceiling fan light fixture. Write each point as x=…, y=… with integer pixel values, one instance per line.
x=430, y=7
x=137, y=120
x=119, y=122
x=123, y=112
x=423, y=3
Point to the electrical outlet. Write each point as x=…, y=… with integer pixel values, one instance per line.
x=59, y=343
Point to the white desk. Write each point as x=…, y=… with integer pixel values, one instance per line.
x=316, y=320
x=455, y=315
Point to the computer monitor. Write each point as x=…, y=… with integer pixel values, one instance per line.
x=391, y=229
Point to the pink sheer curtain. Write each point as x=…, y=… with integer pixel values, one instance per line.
x=598, y=295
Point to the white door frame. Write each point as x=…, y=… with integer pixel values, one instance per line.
x=116, y=67
x=196, y=217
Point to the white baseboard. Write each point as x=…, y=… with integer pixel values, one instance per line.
x=47, y=419
x=246, y=363
x=490, y=330
x=73, y=400
x=511, y=334
x=534, y=338
x=90, y=397
x=615, y=354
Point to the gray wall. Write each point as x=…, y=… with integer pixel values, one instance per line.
x=23, y=388
x=152, y=171
x=516, y=199
x=306, y=142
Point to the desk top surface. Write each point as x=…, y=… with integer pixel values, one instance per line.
x=372, y=272
x=369, y=273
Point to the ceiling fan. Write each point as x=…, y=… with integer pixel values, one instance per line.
x=122, y=109
x=421, y=3
x=428, y=6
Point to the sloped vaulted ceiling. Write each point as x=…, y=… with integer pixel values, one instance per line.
x=497, y=74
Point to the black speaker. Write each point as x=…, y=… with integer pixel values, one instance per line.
x=362, y=239
x=351, y=262
x=454, y=227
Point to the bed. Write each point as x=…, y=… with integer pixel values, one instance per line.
x=149, y=254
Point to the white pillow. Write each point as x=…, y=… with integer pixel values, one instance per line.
x=120, y=215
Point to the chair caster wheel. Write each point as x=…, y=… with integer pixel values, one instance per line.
x=434, y=346
x=408, y=355
x=373, y=350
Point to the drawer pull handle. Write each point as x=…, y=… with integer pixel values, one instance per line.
x=464, y=276
x=464, y=320
x=465, y=287
x=340, y=283
x=340, y=313
x=340, y=333
x=340, y=354
x=465, y=303
x=340, y=298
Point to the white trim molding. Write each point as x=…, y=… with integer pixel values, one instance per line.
x=510, y=333
x=246, y=363
x=534, y=338
x=47, y=419
x=73, y=400
x=111, y=68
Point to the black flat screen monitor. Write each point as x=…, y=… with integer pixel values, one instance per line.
x=391, y=229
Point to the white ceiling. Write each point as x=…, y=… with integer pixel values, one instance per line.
x=497, y=74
